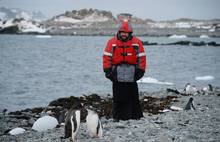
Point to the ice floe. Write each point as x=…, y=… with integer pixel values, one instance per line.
x=153, y=81
x=208, y=77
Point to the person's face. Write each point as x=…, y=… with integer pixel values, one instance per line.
x=124, y=35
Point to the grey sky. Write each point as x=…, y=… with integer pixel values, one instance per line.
x=153, y=9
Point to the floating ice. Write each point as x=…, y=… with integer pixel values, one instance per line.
x=153, y=81
x=45, y=123
x=43, y=36
x=178, y=36
x=16, y=131
x=204, y=36
x=208, y=77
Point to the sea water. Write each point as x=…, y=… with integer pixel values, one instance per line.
x=35, y=71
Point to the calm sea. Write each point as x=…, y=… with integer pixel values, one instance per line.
x=36, y=70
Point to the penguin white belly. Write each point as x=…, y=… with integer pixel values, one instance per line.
x=93, y=124
x=75, y=122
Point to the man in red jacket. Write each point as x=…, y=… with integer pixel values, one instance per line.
x=124, y=62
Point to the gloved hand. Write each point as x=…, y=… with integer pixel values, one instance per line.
x=139, y=73
x=109, y=74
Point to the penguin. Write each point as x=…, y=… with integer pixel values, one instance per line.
x=72, y=123
x=207, y=90
x=190, y=104
x=190, y=90
x=94, y=125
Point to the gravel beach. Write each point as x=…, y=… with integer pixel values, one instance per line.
x=202, y=124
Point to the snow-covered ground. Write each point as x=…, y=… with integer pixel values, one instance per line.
x=25, y=26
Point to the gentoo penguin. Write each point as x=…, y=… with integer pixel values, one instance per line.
x=72, y=122
x=208, y=89
x=190, y=90
x=190, y=104
x=94, y=125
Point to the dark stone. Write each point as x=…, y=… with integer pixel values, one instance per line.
x=10, y=30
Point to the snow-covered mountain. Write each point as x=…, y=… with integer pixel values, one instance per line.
x=21, y=25
x=12, y=13
x=20, y=21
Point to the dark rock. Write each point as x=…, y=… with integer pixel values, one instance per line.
x=10, y=30
x=202, y=43
x=212, y=43
x=155, y=105
x=149, y=43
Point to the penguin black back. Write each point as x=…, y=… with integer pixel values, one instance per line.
x=190, y=104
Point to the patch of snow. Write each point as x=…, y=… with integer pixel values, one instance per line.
x=8, y=23
x=88, y=19
x=178, y=36
x=183, y=25
x=175, y=108
x=165, y=110
x=153, y=81
x=45, y=123
x=26, y=26
x=16, y=131
x=67, y=19
x=204, y=78
x=204, y=36
x=206, y=27
x=95, y=18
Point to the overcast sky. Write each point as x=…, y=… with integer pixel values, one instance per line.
x=153, y=9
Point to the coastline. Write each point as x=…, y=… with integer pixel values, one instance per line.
x=201, y=124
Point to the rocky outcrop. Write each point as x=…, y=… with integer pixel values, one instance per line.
x=10, y=30
x=186, y=43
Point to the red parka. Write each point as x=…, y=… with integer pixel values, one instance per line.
x=119, y=52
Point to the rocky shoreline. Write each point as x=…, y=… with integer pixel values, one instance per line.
x=202, y=124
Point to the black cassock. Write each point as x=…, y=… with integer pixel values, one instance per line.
x=126, y=104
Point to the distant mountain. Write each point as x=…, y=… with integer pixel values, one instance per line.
x=83, y=18
x=101, y=22
x=12, y=13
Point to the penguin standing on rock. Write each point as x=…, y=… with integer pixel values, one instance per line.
x=190, y=104
x=72, y=122
x=94, y=125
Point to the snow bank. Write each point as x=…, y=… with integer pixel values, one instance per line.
x=178, y=36
x=204, y=78
x=45, y=123
x=153, y=81
x=16, y=131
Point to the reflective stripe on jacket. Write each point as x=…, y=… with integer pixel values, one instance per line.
x=130, y=52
